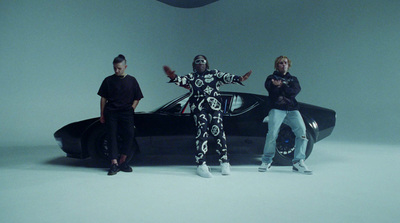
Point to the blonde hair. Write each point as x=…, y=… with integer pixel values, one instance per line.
x=278, y=59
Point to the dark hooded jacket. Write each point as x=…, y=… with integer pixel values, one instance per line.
x=283, y=98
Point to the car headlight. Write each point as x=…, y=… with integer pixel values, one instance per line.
x=59, y=142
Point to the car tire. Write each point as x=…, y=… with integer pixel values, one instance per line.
x=97, y=143
x=284, y=150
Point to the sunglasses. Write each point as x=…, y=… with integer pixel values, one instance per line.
x=200, y=61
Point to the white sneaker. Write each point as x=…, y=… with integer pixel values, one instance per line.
x=225, y=168
x=301, y=167
x=264, y=167
x=204, y=171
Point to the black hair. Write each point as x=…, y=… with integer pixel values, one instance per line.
x=120, y=58
x=207, y=64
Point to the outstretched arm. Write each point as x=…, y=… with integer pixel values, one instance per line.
x=228, y=78
x=180, y=81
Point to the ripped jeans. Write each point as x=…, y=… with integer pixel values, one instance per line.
x=294, y=120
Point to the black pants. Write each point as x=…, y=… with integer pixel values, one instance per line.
x=120, y=133
x=208, y=120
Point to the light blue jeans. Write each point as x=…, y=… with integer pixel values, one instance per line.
x=294, y=120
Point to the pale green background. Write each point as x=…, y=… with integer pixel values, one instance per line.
x=54, y=55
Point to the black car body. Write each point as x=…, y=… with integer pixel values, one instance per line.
x=171, y=130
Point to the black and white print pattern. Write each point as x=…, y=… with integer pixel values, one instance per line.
x=205, y=105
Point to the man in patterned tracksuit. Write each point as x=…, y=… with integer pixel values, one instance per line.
x=205, y=105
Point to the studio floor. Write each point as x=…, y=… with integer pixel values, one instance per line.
x=351, y=183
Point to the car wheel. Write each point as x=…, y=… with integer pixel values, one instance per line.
x=285, y=146
x=97, y=144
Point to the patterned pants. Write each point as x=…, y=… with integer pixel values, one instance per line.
x=210, y=121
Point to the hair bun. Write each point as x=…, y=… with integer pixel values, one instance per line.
x=120, y=58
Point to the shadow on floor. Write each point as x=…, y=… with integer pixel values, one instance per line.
x=164, y=160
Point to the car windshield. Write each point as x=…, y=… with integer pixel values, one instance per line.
x=232, y=104
x=176, y=106
x=239, y=104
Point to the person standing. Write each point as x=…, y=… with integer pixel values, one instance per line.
x=283, y=88
x=205, y=105
x=120, y=94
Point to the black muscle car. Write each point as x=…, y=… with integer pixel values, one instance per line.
x=171, y=129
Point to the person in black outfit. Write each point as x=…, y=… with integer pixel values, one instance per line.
x=120, y=94
x=205, y=105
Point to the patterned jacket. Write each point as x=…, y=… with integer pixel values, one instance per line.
x=204, y=88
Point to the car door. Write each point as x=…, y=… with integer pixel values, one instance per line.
x=243, y=124
x=173, y=128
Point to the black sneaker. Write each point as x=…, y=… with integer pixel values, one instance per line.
x=125, y=167
x=113, y=169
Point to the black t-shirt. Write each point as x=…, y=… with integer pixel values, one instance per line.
x=120, y=92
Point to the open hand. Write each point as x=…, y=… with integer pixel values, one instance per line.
x=246, y=76
x=171, y=74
